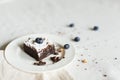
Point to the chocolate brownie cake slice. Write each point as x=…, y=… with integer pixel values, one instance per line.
x=39, y=48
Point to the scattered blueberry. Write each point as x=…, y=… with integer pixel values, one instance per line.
x=77, y=39
x=39, y=40
x=71, y=25
x=66, y=46
x=95, y=28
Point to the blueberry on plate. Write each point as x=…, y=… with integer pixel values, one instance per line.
x=66, y=46
x=77, y=39
x=39, y=40
x=95, y=28
x=71, y=25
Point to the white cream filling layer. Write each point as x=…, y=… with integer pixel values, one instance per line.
x=38, y=47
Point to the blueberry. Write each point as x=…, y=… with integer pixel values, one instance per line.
x=66, y=46
x=95, y=28
x=77, y=39
x=71, y=25
x=39, y=40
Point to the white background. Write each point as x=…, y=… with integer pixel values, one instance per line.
x=21, y=17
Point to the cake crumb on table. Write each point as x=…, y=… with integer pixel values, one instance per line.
x=85, y=68
x=84, y=61
x=104, y=75
x=96, y=62
x=77, y=65
x=115, y=58
x=71, y=25
x=61, y=33
x=86, y=48
x=81, y=54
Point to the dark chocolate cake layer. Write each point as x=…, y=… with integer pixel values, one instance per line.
x=43, y=53
x=31, y=52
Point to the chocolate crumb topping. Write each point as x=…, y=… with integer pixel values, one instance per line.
x=63, y=56
x=55, y=53
x=59, y=50
x=40, y=63
x=55, y=59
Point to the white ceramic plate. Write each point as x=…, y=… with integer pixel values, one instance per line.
x=16, y=57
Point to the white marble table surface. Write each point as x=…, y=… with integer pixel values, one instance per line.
x=100, y=48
